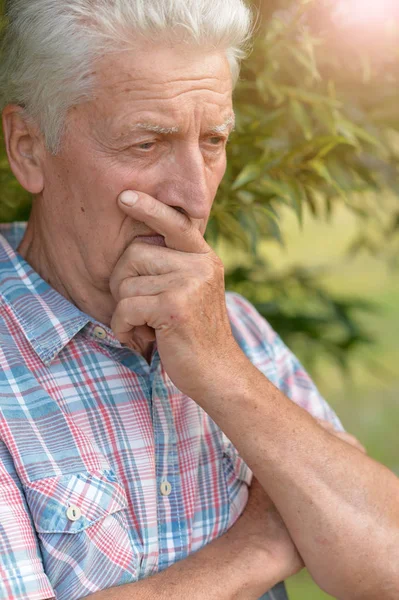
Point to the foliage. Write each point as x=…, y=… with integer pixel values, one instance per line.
x=317, y=116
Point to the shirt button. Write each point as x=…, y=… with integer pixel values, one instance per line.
x=166, y=488
x=100, y=333
x=73, y=513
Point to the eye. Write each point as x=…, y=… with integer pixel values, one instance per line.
x=145, y=146
x=216, y=141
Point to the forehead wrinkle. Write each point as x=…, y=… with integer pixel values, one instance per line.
x=152, y=95
x=142, y=82
x=164, y=90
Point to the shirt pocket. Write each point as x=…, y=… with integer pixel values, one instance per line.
x=238, y=478
x=83, y=533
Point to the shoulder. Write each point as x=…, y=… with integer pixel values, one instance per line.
x=13, y=232
x=14, y=346
x=267, y=351
x=15, y=354
x=250, y=329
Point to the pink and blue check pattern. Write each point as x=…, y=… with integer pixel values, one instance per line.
x=87, y=423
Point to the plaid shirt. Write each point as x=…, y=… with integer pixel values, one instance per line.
x=108, y=473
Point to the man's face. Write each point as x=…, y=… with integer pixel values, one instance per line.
x=158, y=124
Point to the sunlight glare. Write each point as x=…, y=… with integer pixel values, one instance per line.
x=366, y=11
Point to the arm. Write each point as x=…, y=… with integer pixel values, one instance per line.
x=341, y=507
x=215, y=573
x=253, y=556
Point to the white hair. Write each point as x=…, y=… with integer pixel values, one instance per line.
x=50, y=46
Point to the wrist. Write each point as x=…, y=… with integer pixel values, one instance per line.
x=250, y=570
x=220, y=374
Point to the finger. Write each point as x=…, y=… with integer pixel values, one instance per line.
x=149, y=286
x=177, y=229
x=136, y=312
x=141, y=259
x=139, y=338
x=144, y=333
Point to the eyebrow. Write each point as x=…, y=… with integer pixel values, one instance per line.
x=153, y=128
x=229, y=124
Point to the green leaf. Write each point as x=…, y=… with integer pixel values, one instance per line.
x=302, y=118
x=230, y=227
x=299, y=198
x=355, y=133
x=276, y=188
x=322, y=171
x=249, y=173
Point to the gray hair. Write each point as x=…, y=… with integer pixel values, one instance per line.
x=49, y=46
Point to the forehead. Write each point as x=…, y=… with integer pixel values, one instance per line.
x=173, y=82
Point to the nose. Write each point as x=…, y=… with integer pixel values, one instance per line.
x=187, y=185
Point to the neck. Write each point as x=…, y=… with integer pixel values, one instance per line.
x=57, y=260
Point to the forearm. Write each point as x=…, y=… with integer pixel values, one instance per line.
x=341, y=507
x=220, y=571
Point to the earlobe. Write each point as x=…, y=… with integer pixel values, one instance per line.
x=23, y=146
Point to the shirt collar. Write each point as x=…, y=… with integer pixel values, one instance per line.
x=48, y=320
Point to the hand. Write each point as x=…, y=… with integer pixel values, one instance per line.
x=263, y=536
x=342, y=435
x=177, y=292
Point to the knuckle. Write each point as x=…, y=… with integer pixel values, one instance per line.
x=210, y=267
x=195, y=286
x=125, y=288
x=124, y=307
x=217, y=264
x=217, y=261
x=176, y=306
x=206, y=270
x=174, y=300
x=185, y=225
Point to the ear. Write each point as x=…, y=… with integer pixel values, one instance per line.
x=25, y=149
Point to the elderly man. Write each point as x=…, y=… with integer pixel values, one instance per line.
x=137, y=399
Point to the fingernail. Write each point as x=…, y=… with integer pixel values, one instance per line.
x=129, y=198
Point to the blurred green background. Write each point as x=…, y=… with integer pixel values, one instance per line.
x=307, y=217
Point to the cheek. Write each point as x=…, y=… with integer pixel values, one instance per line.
x=223, y=167
x=217, y=173
x=116, y=179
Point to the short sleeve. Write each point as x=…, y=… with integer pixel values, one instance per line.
x=269, y=353
x=22, y=576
